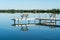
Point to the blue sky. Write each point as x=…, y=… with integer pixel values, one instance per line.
x=29, y=4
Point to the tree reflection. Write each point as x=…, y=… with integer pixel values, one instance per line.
x=52, y=15
x=24, y=28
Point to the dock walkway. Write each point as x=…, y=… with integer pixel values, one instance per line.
x=40, y=20
x=57, y=19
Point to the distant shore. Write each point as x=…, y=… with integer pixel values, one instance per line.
x=30, y=11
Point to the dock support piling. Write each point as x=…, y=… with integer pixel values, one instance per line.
x=39, y=21
x=28, y=21
x=14, y=21
x=18, y=21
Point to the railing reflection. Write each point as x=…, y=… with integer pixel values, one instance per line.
x=25, y=27
x=22, y=27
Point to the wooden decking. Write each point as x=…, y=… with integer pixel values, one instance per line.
x=54, y=19
x=24, y=19
x=40, y=21
x=39, y=24
x=57, y=19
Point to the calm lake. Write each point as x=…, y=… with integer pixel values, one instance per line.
x=30, y=32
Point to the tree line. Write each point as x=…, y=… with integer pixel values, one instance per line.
x=30, y=11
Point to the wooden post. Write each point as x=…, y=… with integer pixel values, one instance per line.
x=39, y=21
x=34, y=21
x=28, y=21
x=55, y=22
x=51, y=21
x=18, y=21
x=14, y=21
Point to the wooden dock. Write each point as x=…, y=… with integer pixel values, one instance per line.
x=39, y=24
x=24, y=19
x=54, y=19
x=40, y=20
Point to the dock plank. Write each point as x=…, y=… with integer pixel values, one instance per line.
x=57, y=19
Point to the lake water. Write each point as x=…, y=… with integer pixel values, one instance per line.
x=31, y=32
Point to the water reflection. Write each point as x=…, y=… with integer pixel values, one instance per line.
x=52, y=15
x=24, y=16
x=41, y=31
x=22, y=27
x=26, y=26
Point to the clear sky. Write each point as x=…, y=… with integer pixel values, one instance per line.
x=29, y=4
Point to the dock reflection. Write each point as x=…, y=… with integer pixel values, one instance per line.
x=22, y=27
x=25, y=27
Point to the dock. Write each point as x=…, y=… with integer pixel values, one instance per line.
x=57, y=19
x=40, y=21
x=53, y=19
x=24, y=17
